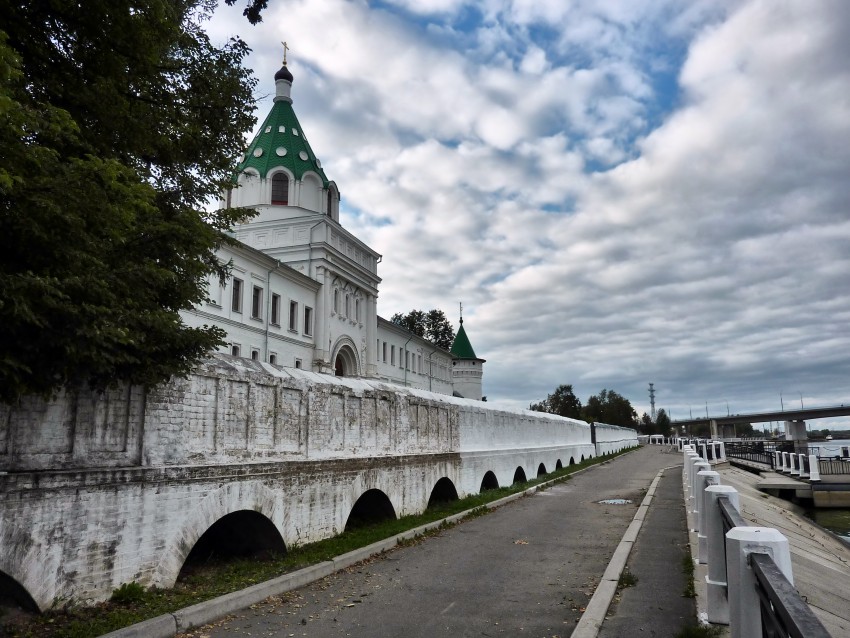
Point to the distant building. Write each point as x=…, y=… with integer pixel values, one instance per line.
x=303, y=291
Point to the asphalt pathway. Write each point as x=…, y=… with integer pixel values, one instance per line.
x=527, y=569
x=655, y=606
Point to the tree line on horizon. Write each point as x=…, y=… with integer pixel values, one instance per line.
x=606, y=407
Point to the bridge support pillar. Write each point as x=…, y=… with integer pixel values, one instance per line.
x=720, y=432
x=796, y=431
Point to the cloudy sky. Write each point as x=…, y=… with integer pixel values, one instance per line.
x=620, y=192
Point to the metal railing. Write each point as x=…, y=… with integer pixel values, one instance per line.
x=757, y=451
x=783, y=612
x=731, y=516
x=834, y=467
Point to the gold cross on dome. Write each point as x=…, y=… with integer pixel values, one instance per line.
x=285, y=48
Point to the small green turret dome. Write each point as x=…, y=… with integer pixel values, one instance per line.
x=461, y=348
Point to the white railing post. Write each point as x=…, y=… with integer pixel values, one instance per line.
x=704, y=454
x=786, y=462
x=814, y=468
x=777, y=461
x=705, y=478
x=698, y=467
x=689, y=460
x=795, y=471
x=717, y=605
x=802, y=463
x=744, y=605
x=686, y=468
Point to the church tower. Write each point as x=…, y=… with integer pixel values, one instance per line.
x=467, y=369
x=298, y=224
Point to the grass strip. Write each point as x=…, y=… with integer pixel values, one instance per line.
x=688, y=570
x=132, y=603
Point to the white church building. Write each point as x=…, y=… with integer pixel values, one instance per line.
x=303, y=290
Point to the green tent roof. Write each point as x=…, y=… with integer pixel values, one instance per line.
x=281, y=142
x=461, y=347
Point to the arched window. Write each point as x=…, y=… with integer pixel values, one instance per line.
x=280, y=189
x=336, y=301
x=330, y=203
x=347, y=306
x=357, y=310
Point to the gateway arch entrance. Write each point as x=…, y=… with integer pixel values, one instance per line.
x=345, y=364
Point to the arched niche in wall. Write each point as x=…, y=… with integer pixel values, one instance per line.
x=311, y=189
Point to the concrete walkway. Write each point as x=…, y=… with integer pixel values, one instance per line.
x=655, y=605
x=529, y=568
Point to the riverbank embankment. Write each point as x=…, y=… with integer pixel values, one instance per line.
x=820, y=561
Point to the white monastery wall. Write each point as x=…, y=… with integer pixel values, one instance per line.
x=78, y=536
x=613, y=438
x=233, y=409
x=99, y=490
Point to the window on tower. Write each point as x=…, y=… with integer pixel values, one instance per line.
x=280, y=188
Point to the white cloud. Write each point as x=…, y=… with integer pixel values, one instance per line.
x=619, y=192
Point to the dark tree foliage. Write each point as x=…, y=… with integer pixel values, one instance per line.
x=432, y=325
x=562, y=401
x=439, y=329
x=610, y=407
x=413, y=321
x=252, y=10
x=661, y=425
x=662, y=422
x=119, y=121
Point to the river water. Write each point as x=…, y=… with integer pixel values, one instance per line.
x=835, y=520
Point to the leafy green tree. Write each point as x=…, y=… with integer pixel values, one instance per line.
x=432, y=325
x=253, y=9
x=439, y=329
x=413, y=321
x=610, y=407
x=119, y=122
x=562, y=402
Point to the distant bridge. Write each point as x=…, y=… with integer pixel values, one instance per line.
x=765, y=417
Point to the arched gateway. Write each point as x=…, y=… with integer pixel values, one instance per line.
x=345, y=362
